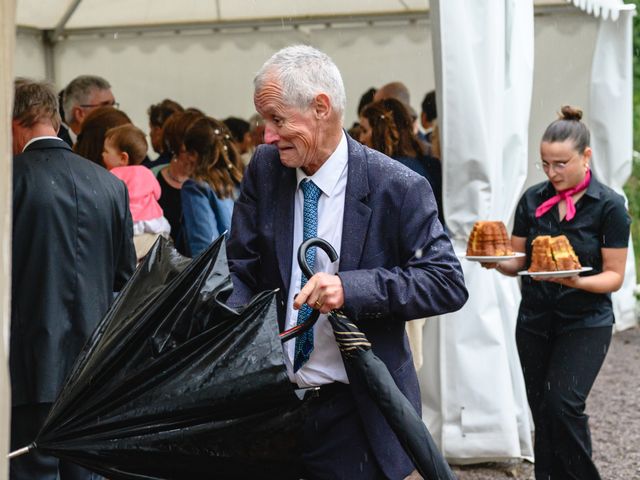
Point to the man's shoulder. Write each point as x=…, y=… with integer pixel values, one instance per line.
x=266, y=157
x=385, y=171
x=65, y=162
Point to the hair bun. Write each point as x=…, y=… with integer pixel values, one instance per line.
x=567, y=112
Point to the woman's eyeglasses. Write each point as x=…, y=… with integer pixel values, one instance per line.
x=555, y=166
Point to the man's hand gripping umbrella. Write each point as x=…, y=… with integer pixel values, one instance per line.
x=371, y=371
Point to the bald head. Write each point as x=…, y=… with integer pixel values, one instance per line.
x=397, y=90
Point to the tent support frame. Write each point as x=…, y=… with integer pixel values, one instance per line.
x=50, y=38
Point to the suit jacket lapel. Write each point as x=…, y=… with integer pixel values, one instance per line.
x=283, y=228
x=356, y=211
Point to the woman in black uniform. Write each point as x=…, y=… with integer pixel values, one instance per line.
x=564, y=324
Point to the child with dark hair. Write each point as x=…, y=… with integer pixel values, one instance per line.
x=241, y=137
x=158, y=115
x=124, y=149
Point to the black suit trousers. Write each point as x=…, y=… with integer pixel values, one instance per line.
x=559, y=371
x=334, y=444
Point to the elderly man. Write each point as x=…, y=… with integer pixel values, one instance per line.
x=83, y=95
x=72, y=248
x=395, y=264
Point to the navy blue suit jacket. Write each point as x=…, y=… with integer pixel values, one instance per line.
x=396, y=264
x=72, y=248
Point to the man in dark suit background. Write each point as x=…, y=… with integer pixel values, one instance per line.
x=72, y=248
x=79, y=98
x=396, y=263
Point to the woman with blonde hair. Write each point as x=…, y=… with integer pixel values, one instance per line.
x=208, y=197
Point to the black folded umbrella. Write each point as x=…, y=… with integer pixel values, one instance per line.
x=175, y=384
x=373, y=373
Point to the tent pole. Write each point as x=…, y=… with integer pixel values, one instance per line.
x=56, y=32
x=49, y=63
x=50, y=38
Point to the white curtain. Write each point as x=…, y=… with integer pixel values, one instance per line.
x=7, y=45
x=611, y=113
x=473, y=392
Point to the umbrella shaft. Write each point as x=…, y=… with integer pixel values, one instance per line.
x=20, y=451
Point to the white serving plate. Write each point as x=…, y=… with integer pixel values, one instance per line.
x=500, y=258
x=556, y=274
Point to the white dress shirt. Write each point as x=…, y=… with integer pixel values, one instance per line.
x=325, y=363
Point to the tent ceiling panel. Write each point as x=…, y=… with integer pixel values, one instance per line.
x=41, y=15
x=46, y=15
x=108, y=13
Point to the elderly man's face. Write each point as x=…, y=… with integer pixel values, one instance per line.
x=296, y=133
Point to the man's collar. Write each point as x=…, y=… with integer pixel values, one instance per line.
x=45, y=137
x=72, y=135
x=327, y=176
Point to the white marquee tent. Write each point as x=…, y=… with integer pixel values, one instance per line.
x=501, y=69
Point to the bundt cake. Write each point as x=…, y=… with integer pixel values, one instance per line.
x=550, y=254
x=489, y=239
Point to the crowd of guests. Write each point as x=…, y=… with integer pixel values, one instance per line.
x=83, y=222
x=187, y=192
x=109, y=202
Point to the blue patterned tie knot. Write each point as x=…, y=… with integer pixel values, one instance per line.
x=304, y=343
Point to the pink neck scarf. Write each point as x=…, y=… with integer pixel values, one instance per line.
x=566, y=196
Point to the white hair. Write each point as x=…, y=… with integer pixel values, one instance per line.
x=304, y=72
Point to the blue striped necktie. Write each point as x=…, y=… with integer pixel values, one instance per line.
x=304, y=343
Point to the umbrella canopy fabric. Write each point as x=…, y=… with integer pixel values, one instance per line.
x=175, y=384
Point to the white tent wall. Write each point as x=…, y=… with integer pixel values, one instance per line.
x=611, y=104
x=7, y=43
x=564, y=46
x=215, y=72
x=29, y=55
x=484, y=84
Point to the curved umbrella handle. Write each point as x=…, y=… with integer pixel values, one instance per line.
x=304, y=266
x=314, y=242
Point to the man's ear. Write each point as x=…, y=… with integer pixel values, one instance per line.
x=14, y=127
x=322, y=105
x=78, y=115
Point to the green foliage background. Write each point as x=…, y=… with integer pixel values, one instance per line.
x=632, y=188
